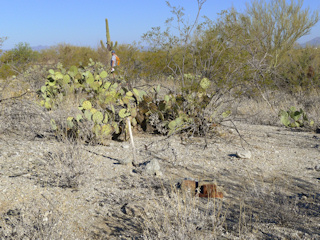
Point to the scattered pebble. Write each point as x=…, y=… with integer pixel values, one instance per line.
x=153, y=168
x=244, y=154
x=126, y=146
x=126, y=161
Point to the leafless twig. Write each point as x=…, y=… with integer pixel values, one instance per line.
x=15, y=96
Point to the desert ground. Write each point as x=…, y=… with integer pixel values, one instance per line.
x=60, y=189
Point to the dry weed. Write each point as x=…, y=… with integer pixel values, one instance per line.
x=176, y=215
x=62, y=167
x=23, y=118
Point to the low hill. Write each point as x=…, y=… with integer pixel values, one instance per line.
x=313, y=42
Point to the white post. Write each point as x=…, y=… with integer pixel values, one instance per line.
x=132, y=143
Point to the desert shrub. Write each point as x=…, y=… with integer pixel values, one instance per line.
x=69, y=55
x=300, y=73
x=49, y=56
x=183, y=216
x=61, y=168
x=154, y=64
x=17, y=60
x=270, y=205
x=23, y=118
x=2, y=39
x=236, y=51
x=23, y=54
x=6, y=71
x=103, y=57
x=29, y=222
x=39, y=218
x=31, y=79
x=136, y=63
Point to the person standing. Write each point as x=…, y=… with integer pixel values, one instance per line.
x=113, y=62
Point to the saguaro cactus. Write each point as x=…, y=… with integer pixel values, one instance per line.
x=108, y=33
x=108, y=48
x=110, y=45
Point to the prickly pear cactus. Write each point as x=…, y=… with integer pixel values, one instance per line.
x=205, y=83
x=88, y=114
x=97, y=117
x=123, y=113
x=86, y=105
x=70, y=122
x=103, y=74
x=293, y=118
x=106, y=130
x=106, y=104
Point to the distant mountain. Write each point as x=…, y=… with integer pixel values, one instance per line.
x=39, y=48
x=313, y=42
x=36, y=48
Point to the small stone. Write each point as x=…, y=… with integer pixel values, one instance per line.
x=317, y=168
x=153, y=168
x=243, y=154
x=125, y=161
x=126, y=146
x=231, y=131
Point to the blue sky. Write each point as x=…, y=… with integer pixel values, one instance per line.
x=81, y=23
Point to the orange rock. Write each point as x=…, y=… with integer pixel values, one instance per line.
x=209, y=191
x=188, y=185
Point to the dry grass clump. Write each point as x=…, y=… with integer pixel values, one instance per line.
x=271, y=213
x=44, y=206
x=62, y=167
x=23, y=224
x=157, y=210
x=176, y=215
x=40, y=218
x=23, y=118
x=32, y=220
x=272, y=205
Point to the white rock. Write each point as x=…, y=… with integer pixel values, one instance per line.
x=126, y=146
x=153, y=167
x=243, y=154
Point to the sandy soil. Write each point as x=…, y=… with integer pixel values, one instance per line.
x=53, y=190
